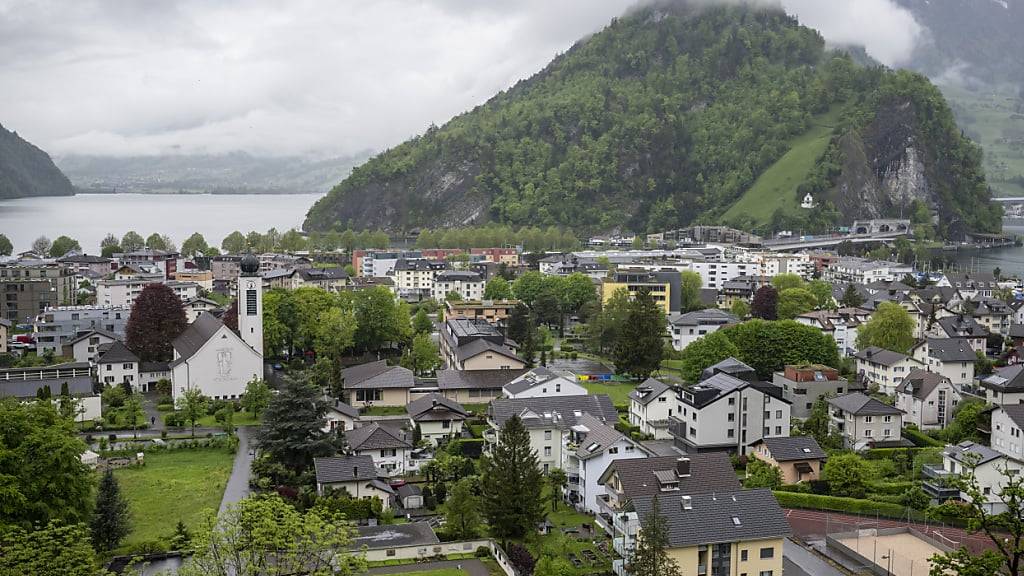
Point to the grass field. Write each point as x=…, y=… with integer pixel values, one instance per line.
x=172, y=486
x=989, y=117
x=618, y=392
x=441, y=572
x=776, y=187
x=242, y=418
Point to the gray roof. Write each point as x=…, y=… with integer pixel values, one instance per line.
x=394, y=535
x=703, y=317
x=375, y=437
x=457, y=275
x=951, y=349
x=880, y=356
x=435, y=407
x=730, y=366
x=920, y=383
x=476, y=379
x=534, y=377
x=960, y=453
x=1016, y=331
x=116, y=352
x=1006, y=379
x=860, y=404
x=6, y=323
x=961, y=325
x=709, y=472
x=1015, y=412
x=407, y=489
x=377, y=375
x=479, y=346
x=556, y=411
x=90, y=334
x=787, y=448
x=718, y=517
x=653, y=387
x=154, y=367
x=344, y=409
x=599, y=437
x=346, y=468
x=192, y=338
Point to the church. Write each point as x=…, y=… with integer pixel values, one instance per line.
x=211, y=357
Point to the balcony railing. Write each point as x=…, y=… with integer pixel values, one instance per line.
x=623, y=548
x=939, y=490
x=935, y=471
x=619, y=567
x=676, y=427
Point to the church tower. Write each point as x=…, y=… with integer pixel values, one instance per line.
x=250, y=303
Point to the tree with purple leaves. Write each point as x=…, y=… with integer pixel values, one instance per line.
x=157, y=319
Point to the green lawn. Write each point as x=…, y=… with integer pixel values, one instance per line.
x=242, y=418
x=561, y=545
x=476, y=408
x=618, y=392
x=776, y=187
x=442, y=572
x=172, y=486
x=383, y=410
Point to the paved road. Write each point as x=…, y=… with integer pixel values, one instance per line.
x=238, y=484
x=154, y=416
x=798, y=561
x=473, y=566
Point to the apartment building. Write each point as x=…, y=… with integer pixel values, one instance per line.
x=952, y=358
x=688, y=327
x=29, y=287
x=1005, y=385
x=57, y=326
x=591, y=445
x=122, y=293
x=415, y=278
x=884, y=368
x=476, y=345
x=663, y=287
x=841, y=325
x=495, y=312
x=864, y=422
x=802, y=385
x=927, y=399
x=865, y=271
x=468, y=285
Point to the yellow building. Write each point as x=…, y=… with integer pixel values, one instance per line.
x=659, y=284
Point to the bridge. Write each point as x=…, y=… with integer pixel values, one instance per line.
x=835, y=240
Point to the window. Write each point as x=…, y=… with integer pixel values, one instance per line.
x=743, y=555
x=767, y=414
x=547, y=451
x=547, y=434
x=778, y=414
x=768, y=552
x=778, y=430
x=887, y=419
x=732, y=401
x=731, y=433
x=614, y=450
x=867, y=433
x=446, y=424
x=766, y=573
x=887, y=432
x=868, y=419
x=732, y=417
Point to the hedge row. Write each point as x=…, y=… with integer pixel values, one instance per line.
x=847, y=505
x=888, y=453
x=921, y=439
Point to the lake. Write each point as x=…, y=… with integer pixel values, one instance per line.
x=89, y=217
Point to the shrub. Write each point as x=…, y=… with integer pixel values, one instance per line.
x=148, y=547
x=842, y=504
x=482, y=552
x=567, y=347
x=921, y=439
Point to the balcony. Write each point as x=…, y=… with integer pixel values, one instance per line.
x=935, y=471
x=939, y=483
x=677, y=427
x=623, y=546
x=619, y=567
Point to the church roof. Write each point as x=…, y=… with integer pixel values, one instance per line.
x=192, y=339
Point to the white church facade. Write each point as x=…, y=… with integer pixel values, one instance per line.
x=211, y=357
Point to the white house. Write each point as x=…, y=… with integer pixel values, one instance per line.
x=117, y=365
x=952, y=358
x=884, y=368
x=468, y=285
x=354, y=474
x=986, y=465
x=86, y=347
x=927, y=399
x=414, y=278
x=960, y=326
x=591, y=445
x=651, y=404
x=542, y=382
x=1008, y=430
x=122, y=293
x=439, y=418
x=196, y=306
x=865, y=271
x=340, y=416
x=685, y=328
x=387, y=446
x=841, y=325
x=864, y=421
x=1005, y=385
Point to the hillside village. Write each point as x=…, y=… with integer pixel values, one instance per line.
x=535, y=411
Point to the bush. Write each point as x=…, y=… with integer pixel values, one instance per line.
x=921, y=439
x=802, y=488
x=482, y=552
x=148, y=547
x=566, y=347
x=842, y=504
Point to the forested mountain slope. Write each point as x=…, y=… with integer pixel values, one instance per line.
x=28, y=171
x=665, y=117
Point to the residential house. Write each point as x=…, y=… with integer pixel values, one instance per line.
x=151, y=373
x=477, y=345
x=377, y=384
x=1005, y=385
x=541, y=381
x=953, y=358
x=1007, y=427
x=86, y=347
x=685, y=328
x=841, y=325
x=475, y=386
x=728, y=410
x=865, y=422
x=388, y=446
x=97, y=265
x=960, y=326
x=548, y=419
x=739, y=288
x=468, y=285
x=802, y=385
x=32, y=286
x=507, y=256
x=865, y=271
x=651, y=404
x=415, y=277
x=495, y=312
x=117, y=365
x=927, y=399
x=25, y=383
x=225, y=267
x=591, y=445
x=985, y=464
x=439, y=418
x=55, y=327
x=340, y=416
x=196, y=306
x=664, y=287
x=163, y=261
x=972, y=285
x=884, y=368
x=995, y=315
x=798, y=458
x=353, y=474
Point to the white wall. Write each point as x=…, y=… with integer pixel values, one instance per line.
x=555, y=387
x=592, y=469
x=220, y=369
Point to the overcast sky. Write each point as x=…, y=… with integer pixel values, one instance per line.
x=331, y=77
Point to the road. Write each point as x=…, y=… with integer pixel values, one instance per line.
x=238, y=484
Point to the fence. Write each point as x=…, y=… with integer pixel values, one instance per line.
x=424, y=552
x=901, y=551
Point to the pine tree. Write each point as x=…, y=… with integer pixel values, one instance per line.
x=182, y=538
x=110, y=521
x=292, y=433
x=851, y=297
x=157, y=318
x=512, y=484
x=638, y=348
x=649, y=557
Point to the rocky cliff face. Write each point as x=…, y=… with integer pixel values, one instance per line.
x=28, y=171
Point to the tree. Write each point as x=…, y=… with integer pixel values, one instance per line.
x=650, y=557
x=704, y=352
x=497, y=288
x=182, y=538
x=110, y=241
x=157, y=242
x=689, y=291
x=111, y=519
x=761, y=474
x=795, y=301
x=335, y=334
x=293, y=241
x=786, y=281
x=157, y=318
x=847, y=475
x=234, y=243
x=740, y=309
x=132, y=241
x=889, y=327
x=818, y=425
x=964, y=425
x=765, y=303
x=266, y=536
x=1005, y=530
x=422, y=357
x=292, y=433
x=54, y=549
x=453, y=296
x=256, y=397
x=604, y=328
x=512, y=483
x=768, y=346
x=164, y=387
x=521, y=559
x=852, y=298
x=380, y=319
x=462, y=516
x=62, y=245
x=6, y=247
x=639, y=347
x=528, y=287
x=194, y=244
x=822, y=292
x=421, y=323
x=42, y=476
x=41, y=245
x=557, y=480
x=192, y=406
x=574, y=291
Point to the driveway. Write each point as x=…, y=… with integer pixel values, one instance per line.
x=238, y=484
x=153, y=416
x=473, y=566
x=799, y=561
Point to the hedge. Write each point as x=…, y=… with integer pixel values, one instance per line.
x=920, y=439
x=846, y=505
x=888, y=453
x=891, y=488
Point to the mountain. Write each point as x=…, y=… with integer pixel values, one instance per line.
x=671, y=115
x=28, y=171
x=234, y=173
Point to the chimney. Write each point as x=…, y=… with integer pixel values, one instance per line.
x=433, y=402
x=687, y=503
x=683, y=467
x=868, y=352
